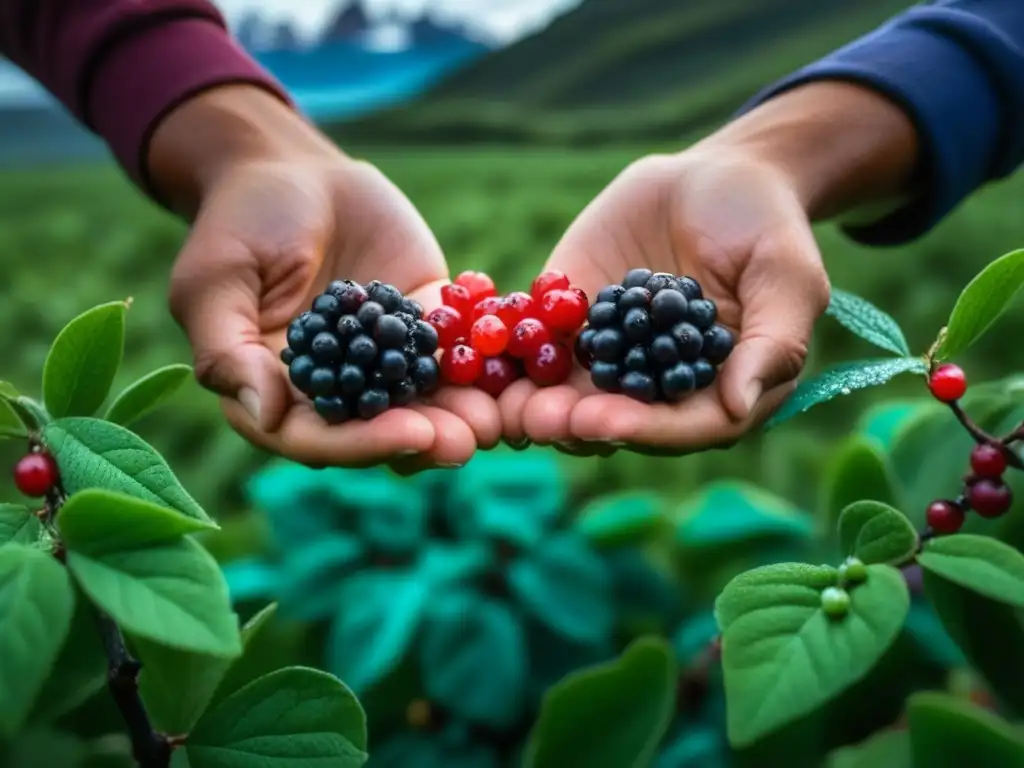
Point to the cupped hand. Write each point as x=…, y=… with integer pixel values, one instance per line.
x=268, y=237
x=736, y=225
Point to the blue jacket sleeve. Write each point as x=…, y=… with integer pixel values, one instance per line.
x=957, y=68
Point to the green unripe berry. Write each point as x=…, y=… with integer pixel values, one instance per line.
x=853, y=571
x=835, y=602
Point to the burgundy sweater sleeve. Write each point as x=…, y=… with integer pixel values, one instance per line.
x=121, y=65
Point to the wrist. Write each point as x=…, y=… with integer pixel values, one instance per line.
x=840, y=146
x=204, y=138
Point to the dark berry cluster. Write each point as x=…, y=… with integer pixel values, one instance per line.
x=653, y=337
x=489, y=341
x=360, y=350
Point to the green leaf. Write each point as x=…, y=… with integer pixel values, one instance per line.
x=256, y=639
x=982, y=302
x=889, y=749
x=10, y=424
x=292, y=718
x=44, y=747
x=947, y=731
x=473, y=658
x=566, y=585
x=8, y=391
x=83, y=361
x=867, y=321
x=842, y=380
x=874, y=532
x=858, y=471
x=883, y=422
x=622, y=519
x=147, y=394
x=311, y=577
x=18, y=524
x=783, y=657
x=116, y=521
x=93, y=453
x=153, y=583
x=990, y=634
x=610, y=715
x=980, y=563
x=36, y=607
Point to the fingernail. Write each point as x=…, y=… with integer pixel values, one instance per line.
x=251, y=402
x=752, y=395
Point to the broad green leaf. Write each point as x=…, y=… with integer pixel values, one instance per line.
x=612, y=714
x=311, y=577
x=93, y=453
x=980, y=563
x=729, y=512
x=94, y=518
x=889, y=749
x=883, y=422
x=292, y=718
x=990, y=635
x=10, y=424
x=697, y=746
x=867, y=321
x=257, y=639
x=874, y=532
x=36, y=607
x=982, y=302
x=842, y=380
x=564, y=583
x=783, y=657
x=622, y=519
x=8, y=391
x=18, y=524
x=170, y=592
x=147, y=394
x=858, y=471
x=648, y=597
x=29, y=412
x=948, y=732
x=474, y=661
x=83, y=361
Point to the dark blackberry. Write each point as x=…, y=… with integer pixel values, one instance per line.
x=327, y=305
x=300, y=370
x=333, y=410
x=653, y=339
x=390, y=332
x=369, y=314
x=296, y=337
x=392, y=365
x=375, y=380
x=351, y=298
x=287, y=355
x=373, y=402
x=387, y=296
x=315, y=324
x=326, y=348
x=362, y=351
x=412, y=307
x=351, y=380
x=426, y=374
x=424, y=337
x=348, y=327
x=403, y=393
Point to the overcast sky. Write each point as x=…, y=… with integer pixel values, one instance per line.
x=502, y=20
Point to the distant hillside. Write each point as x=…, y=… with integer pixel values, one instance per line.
x=626, y=69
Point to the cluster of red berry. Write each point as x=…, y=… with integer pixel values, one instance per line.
x=984, y=491
x=36, y=474
x=489, y=341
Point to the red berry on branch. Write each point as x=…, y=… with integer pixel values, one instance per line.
x=527, y=336
x=489, y=336
x=479, y=284
x=990, y=498
x=497, y=374
x=550, y=365
x=515, y=307
x=562, y=310
x=548, y=281
x=36, y=474
x=489, y=305
x=449, y=324
x=461, y=365
x=988, y=460
x=944, y=516
x=581, y=294
x=457, y=297
x=948, y=383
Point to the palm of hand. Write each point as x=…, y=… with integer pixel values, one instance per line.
x=737, y=230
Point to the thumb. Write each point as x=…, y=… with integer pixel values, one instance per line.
x=215, y=298
x=780, y=308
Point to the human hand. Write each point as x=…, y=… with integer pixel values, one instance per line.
x=272, y=229
x=737, y=226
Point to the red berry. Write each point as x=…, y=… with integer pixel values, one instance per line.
x=449, y=324
x=457, y=297
x=948, y=383
x=562, y=310
x=35, y=474
x=461, y=365
x=581, y=294
x=945, y=516
x=489, y=336
x=497, y=374
x=515, y=307
x=486, y=306
x=527, y=336
x=551, y=365
x=988, y=460
x=479, y=285
x=548, y=281
x=990, y=498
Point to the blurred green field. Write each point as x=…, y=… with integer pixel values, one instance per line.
x=73, y=238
